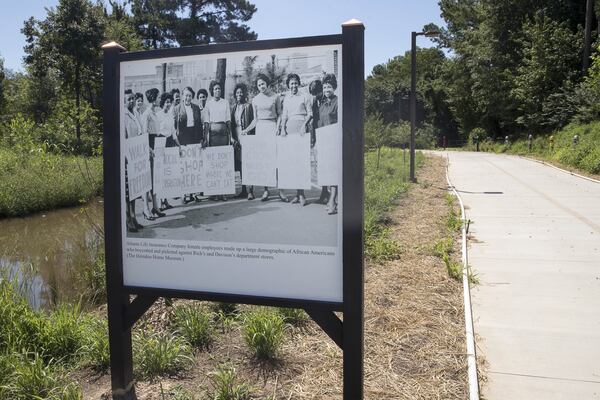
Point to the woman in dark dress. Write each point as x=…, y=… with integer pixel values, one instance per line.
x=188, y=125
x=316, y=90
x=241, y=117
x=328, y=114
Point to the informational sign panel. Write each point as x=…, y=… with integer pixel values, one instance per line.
x=268, y=234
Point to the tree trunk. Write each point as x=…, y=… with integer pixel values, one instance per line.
x=221, y=74
x=78, y=104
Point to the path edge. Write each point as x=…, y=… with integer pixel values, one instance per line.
x=560, y=169
x=469, y=330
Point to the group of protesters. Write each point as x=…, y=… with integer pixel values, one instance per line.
x=186, y=117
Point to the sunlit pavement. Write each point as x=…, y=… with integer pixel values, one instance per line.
x=535, y=247
x=241, y=220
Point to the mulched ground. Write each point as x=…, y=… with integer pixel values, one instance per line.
x=414, y=326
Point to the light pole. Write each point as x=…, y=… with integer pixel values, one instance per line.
x=413, y=95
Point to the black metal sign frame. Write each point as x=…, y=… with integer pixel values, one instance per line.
x=124, y=312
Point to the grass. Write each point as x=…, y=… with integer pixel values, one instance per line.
x=293, y=316
x=264, y=332
x=32, y=378
x=225, y=385
x=383, y=186
x=195, y=324
x=160, y=353
x=584, y=156
x=31, y=182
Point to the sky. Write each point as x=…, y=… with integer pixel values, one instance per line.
x=388, y=23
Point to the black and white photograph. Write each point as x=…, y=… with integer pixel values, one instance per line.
x=235, y=148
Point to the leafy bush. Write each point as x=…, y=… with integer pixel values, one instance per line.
x=264, y=332
x=194, y=324
x=160, y=354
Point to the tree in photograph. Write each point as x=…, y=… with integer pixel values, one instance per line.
x=68, y=41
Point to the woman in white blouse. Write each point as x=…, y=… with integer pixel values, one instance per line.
x=218, y=115
x=296, y=118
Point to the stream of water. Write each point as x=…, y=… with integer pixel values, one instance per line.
x=43, y=251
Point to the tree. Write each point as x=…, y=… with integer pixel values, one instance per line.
x=377, y=134
x=68, y=41
x=550, y=61
x=2, y=76
x=387, y=90
x=154, y=21
x=488, y=39
x=218, y=21
x=168, y=23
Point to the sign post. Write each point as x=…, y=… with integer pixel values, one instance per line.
x=188, y=256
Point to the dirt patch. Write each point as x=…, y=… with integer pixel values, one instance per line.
x=414, y=326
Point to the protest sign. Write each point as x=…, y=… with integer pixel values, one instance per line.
x=138, y=166
x=167, y=181
x=259, y=160
x=329, y=155
x=219, y=175
x=293, y=161
x=191, y=169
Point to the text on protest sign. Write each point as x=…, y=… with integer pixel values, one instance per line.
x=138, y=166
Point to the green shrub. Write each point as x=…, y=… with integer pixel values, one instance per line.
x=227, y=309
x=62, y=336
x=31, y=182
x=264, y=332
x=293, y=316
x=158, y=354
x=194, y=324
x=225, y=386
x=90, y=271
x=96, y=350
x=33, y=379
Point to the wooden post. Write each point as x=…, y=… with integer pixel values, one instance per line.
x=353, y=71
x=119, y=332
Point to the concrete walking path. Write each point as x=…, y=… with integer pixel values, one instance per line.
x=535, y=246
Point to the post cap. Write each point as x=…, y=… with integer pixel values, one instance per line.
x=353, y=22
x=112, y=45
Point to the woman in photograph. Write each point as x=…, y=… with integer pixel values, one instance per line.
x=202, y=97
x=316, y=90
x=328, y=115
x=296, y=118
x=167, y=129
x=188, y=125
x=139, y=108
x=151, y=125
x=217, y=127
x=266, y=108
x=241, y=117
x=176, y=96
x=218, y=113
x=132, y=128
